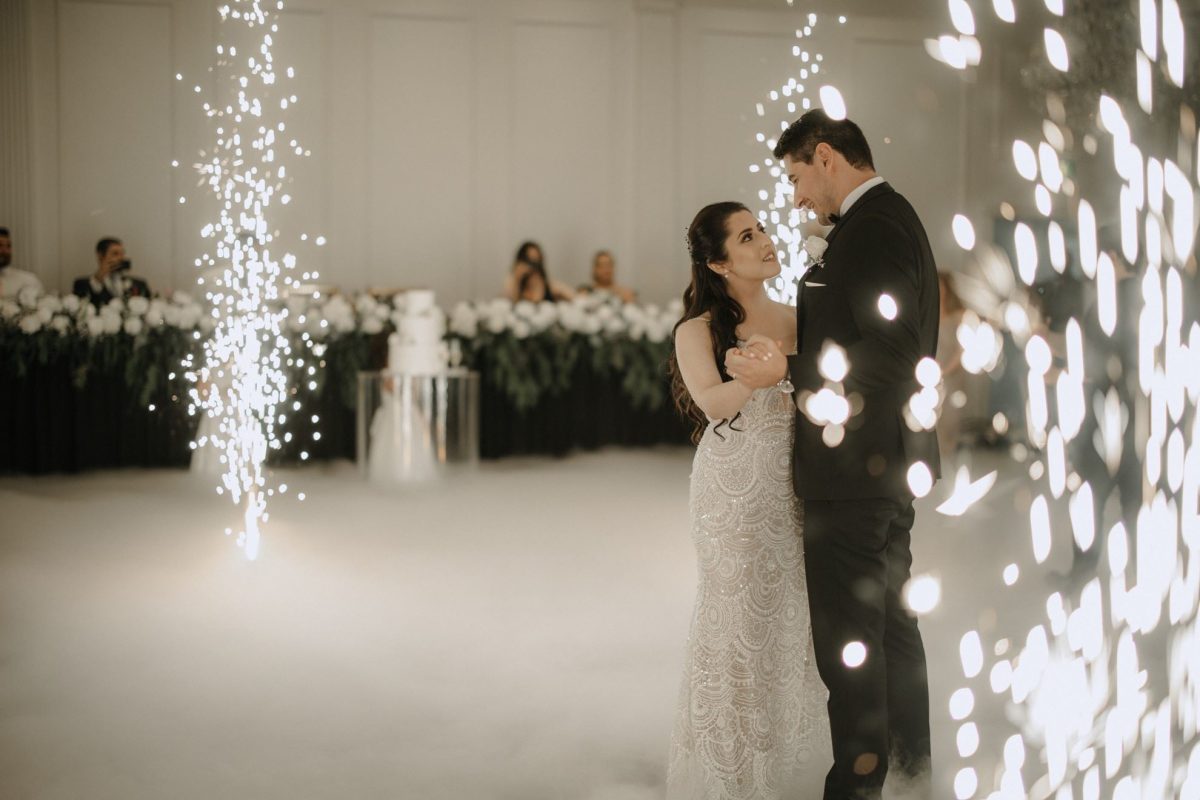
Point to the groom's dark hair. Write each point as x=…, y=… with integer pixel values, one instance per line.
x=802, y=137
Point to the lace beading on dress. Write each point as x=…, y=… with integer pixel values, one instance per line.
x=751, y=720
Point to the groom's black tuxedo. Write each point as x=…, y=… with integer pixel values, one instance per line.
x=878, y=248
x=858, y=509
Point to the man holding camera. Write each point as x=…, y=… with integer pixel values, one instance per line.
x=111, y=278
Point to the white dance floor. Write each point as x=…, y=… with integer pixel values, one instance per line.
x=515, y=633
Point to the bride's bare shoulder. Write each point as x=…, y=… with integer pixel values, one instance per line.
x=693, y=328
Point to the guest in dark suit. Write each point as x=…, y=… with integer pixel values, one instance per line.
x=111, y=278
x=875, y=295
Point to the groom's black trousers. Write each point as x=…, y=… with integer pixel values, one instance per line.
x=857, y=559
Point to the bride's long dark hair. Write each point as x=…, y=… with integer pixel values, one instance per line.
x=707, y=294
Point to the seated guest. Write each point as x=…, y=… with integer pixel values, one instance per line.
x=13, y=280
x=534, y=287
x=604, y=278
x=528, y=258
x=110, y=279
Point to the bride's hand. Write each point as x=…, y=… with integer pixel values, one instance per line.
x=764, y=348
x=753, y=370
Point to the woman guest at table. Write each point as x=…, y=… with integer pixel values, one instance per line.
x=529, y=258
x=604, y=279
x=534, y=287
x=110, y=280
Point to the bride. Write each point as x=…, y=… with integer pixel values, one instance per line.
x=751, y=721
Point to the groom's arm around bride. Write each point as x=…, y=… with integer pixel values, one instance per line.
x=876, y=296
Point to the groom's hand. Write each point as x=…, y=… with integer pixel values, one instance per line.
x=758, y=365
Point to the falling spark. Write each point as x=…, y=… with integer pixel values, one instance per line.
x=922, y=594
x=966, y=492
x=1025, y=160
x=964, y=232
x=832, y=102
x=854, y=654
x=1027, y=256
x=1056, y=50
x=961, y=16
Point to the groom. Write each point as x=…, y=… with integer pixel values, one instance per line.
x=876, y=296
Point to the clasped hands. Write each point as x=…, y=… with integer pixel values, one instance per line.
x=759, y=363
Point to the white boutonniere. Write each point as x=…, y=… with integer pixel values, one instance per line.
x=815, y=247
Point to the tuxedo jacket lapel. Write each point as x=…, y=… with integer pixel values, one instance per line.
x=872, y=193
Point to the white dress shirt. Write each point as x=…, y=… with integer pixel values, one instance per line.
x=13, y=280
x=858, y=192
x=115, y=284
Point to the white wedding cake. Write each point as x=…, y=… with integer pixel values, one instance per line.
x=416, y=348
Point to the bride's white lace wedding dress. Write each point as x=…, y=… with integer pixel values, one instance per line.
x=751, y=721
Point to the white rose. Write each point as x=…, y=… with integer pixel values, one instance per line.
x=95, y=326
x=342, y=322
x=114, y=306
x=189, y=316
x=464, y=321
x=521, y=329
x=44, y=314
x=500, y=305
x=28, y=297
x=604, y=313
x=659, y=331
x=171, y=315
x=497, y=321
x=51, y=302
x=71, y=303
x=31, y=324
x=571, y=317
x=524, y=309
x=61, y=323
x=547, y=314
x=133, y=326
x=154, y=317
x=614, y=326
x=372, y=325
x=138, y=306
x=815, y=247
x=111, y=322
x=9, y=309
x=365, y=304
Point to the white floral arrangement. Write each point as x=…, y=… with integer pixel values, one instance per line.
x=527, y=348
x=590, y=315
x=33, y=312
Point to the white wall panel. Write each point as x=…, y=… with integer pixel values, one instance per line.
x=303, y=46
x=421, y=134
x=736, y=71
x=911, y=109
x=563, y=163
x=445, y=131
x=115, y=146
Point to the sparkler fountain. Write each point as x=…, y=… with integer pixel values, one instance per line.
x=1103, y=695
x=242, y=383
